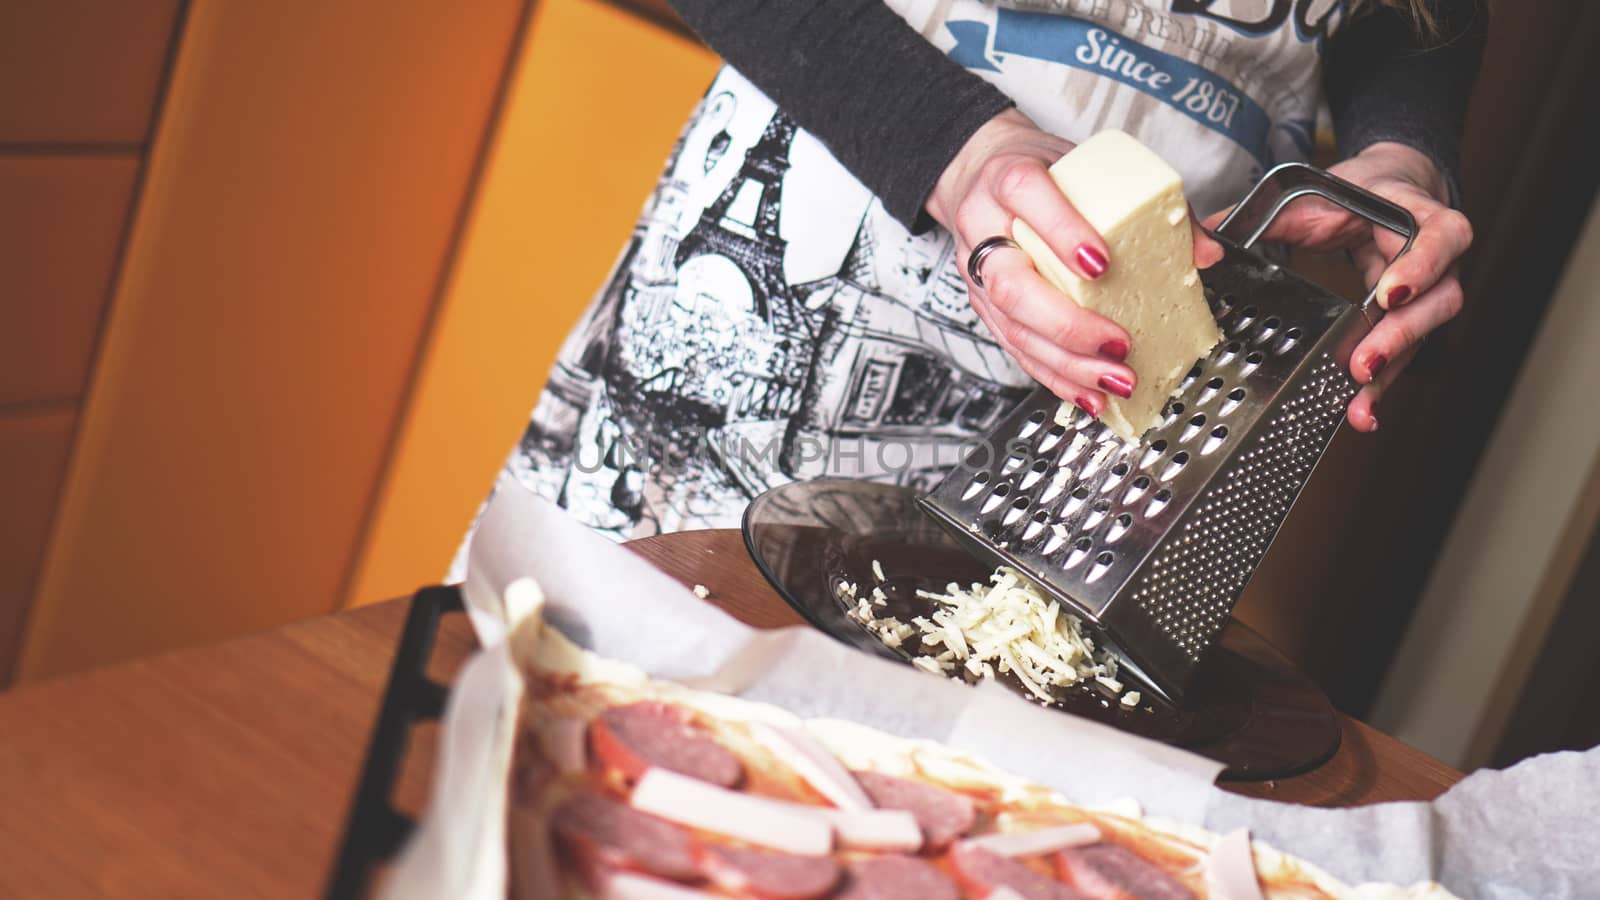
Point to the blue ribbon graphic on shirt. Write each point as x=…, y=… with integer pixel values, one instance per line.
x=1193, y=90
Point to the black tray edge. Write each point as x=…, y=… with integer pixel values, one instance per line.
x=374, y=829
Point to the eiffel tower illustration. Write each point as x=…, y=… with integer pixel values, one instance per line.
x=742, y=225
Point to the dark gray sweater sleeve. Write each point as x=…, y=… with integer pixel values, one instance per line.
x=888, y=104
x=1385, y=83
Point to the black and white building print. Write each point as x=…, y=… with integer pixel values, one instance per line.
x=745, y=339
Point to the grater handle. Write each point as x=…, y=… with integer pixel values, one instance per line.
x=1290, y=181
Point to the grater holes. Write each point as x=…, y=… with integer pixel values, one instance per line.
x=1119, y=527
x=1197, y=422
x=1053, y=489
x=1235, y=397
x=1269, y=327
x=1097, y=514
x=1171, y=413
x=1190, y=586
x=1052, y=438
x=1080, y=552
x=1035, y=472
x=1175, y=465
x=1153, y=453
x=1013, y=463
x=1031, y=424
x=1290, y=338
x=1224, y=305
x=1018, y=507
x=1253, y=361
x=995, y=498
x=1230, y=352
x=1118, y=472
x=1036, y=524
x=976, y=486
x=1075, y=500
x=1102, y=564
x=1189, y=378
x=1158, y=502
x=1210, y=390
x=1136, y=488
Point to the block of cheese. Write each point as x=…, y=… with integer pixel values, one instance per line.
x=1136, y=202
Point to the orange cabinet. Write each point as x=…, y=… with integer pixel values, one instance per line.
x=358, y=240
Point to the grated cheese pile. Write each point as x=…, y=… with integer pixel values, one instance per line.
x=1004, y=626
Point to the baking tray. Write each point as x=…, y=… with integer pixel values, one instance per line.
x=374, y=830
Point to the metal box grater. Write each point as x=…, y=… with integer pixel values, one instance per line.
x=1152, y=543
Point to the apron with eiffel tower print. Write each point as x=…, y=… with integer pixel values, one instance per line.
x=768, y=321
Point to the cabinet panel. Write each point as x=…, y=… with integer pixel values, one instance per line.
x=33, y=455
x=81, y=70
x=61, y=225
x=299, y=204
x=581, y=142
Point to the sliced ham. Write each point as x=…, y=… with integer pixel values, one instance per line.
x=769, y=874
x=1111, y=872
x=1231, y=869
x=650, y=734
x=943, y=814
x=602, y=830
x=797, y=749
x=896, y=878
x=984, y=872
x=1039, y=840
x=635, y=737
x=763, y=821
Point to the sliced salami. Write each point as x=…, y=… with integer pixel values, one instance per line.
x=985, y=871
x=1110, y=872
x=896, y=878
x=605, y=830
x=637, y=736
x=768, y=873
x=943, y=814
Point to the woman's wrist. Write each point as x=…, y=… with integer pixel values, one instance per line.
x=965, y=167
x=1406, y=162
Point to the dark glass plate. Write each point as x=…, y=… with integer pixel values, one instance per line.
x=1248, y=707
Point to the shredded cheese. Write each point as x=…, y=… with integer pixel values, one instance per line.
x=1010, y=627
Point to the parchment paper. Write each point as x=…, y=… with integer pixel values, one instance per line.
x=1526, y=832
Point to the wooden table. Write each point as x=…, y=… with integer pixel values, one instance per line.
x=227, y=770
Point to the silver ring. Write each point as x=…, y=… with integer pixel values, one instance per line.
x=981, y=253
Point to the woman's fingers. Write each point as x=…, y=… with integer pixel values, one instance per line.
x=1022, y=186
x=1442, y=236
x=1363, y=410
x=1207, y=252
x=1057, y=382
x=1401, y=331
x=1022, y=295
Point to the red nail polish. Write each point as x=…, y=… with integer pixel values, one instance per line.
x=1375, y=364
x=1087, y=405
x=1092, y=261
x=1399, y=294
x=1116, y=384
x=1115, y=349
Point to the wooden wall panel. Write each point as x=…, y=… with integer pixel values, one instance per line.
x=61, y=224
x=299, y=204
x=33, y=455
x=81, y=71
x=597, y=102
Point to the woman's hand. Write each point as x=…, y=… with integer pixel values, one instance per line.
x=1000, y=175
x=1420, y=290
